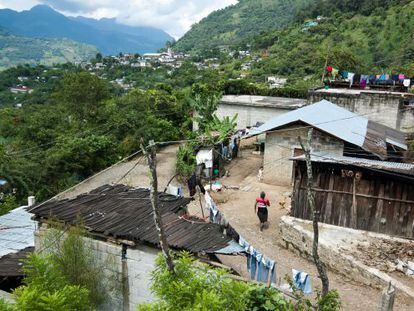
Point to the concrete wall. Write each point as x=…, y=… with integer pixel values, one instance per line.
x=298, y=236
x=249, y=115
x=280, y=146
x=384, y=108
x=128, y=275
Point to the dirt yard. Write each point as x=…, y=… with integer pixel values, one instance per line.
x=238, y=208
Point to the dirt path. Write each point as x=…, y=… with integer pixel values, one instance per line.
x=237, y=206
x=133, y=173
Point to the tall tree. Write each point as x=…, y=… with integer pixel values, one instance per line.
x=316, y=213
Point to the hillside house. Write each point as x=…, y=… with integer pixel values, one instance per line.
x=21, y=90
x=122, y=231
x=337, y=131
x=393, y=109
x=276, y=82
x=358, y=193
x=251, y=109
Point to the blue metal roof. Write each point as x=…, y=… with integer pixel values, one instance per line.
x=327, y=117
x=16, y=231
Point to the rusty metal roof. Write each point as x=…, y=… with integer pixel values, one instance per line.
x=396, y=167
x=125, y=213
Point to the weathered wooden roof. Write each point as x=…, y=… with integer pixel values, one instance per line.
x=125, y=213
x=11, y=264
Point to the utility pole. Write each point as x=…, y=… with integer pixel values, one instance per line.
x=316, y=213
x=152, y=163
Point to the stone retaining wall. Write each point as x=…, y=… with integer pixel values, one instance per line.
x=298, y=235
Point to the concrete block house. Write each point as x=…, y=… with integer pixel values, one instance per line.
x=121, y=229
x=337, y=131
x=252, y=110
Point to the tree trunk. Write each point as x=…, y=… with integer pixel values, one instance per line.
x=152, y=163
x=316, y=213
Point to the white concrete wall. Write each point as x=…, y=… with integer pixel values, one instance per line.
x=140, y=264
x=248, y=115
x=130, y=277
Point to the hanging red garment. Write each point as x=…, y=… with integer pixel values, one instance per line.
x=329, y=69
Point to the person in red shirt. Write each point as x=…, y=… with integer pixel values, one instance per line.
x=260, y=207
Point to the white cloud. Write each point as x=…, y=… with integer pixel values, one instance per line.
x=173, y=16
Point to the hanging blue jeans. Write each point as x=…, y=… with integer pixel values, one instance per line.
x=260, y=266
x=253, y=265
x=302, y=281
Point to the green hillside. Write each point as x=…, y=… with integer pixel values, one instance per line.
x=15, y=50
x=366, y=36
x=381, y=40
x=245, y=19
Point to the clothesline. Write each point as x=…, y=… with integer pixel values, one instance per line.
x=363, y=79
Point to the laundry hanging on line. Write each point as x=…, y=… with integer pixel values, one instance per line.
x=258, y=265
x=363, y=80
x=302, y=281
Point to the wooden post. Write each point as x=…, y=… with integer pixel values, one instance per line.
x=152, y=163
x=316, y=214
x=199, y=199
x=387, y=298
x=354, y=215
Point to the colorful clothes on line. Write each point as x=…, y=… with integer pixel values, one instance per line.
x=351, y=78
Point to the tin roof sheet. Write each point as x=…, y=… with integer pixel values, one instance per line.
x=341, y=123
x=16, y=231
x=405, y=168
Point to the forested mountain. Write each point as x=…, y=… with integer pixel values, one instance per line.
x=15, y=50
x=366, y=36
x=380, y=40
x=107, y=35
x=245, y=19
x=256, y=20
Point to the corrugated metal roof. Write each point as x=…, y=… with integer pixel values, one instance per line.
x=327, y=117
x=16, y=231
x=341, y=123
x=405, y=168
x=126, y=213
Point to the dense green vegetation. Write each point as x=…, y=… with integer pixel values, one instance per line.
x=15, y=50
x=381, y=41
x=75, y=123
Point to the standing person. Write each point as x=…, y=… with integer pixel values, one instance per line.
x=260, y=207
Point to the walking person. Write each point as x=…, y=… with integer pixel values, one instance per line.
x=260, y=207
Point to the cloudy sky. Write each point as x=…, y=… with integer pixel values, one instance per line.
x=173, y=16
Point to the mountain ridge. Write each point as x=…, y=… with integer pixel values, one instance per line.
x=43, y=22
x=18, y=50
